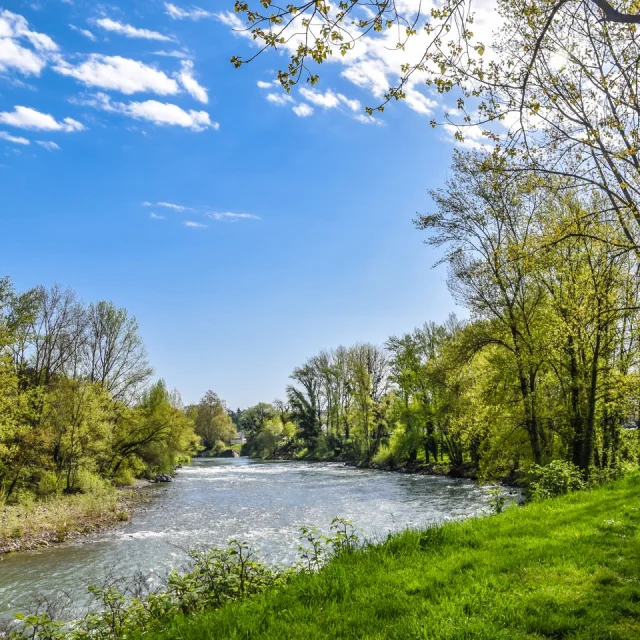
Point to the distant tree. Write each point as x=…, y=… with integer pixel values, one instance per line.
x=213, y=423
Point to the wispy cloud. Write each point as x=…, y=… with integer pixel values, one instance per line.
x=279, y=98
x=27, y=118
x=22, y=49
x=303, y=110
x=84, y=32
x=175, y=53
x=159, y=113
x=194, y=225
x=192, y=13
x=231, y=217
x=131, y=32
x=48, y=145
x=119, y=74
x=264, y=85
x=155, y=216
x=192, y=86
x=365, y=119
x=167, y=205
x=14, y=139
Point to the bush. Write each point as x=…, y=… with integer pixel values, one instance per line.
x=385, y=457
x=556, y=479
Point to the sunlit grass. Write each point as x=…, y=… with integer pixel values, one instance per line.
x=567, y=568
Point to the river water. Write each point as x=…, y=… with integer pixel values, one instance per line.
x=212, y=501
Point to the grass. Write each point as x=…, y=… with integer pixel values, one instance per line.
x=566, y=568
x=24, y=527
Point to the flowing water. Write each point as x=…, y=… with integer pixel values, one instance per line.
x=212, y=501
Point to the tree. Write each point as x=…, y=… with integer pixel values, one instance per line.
x=115, y=356
x=213, y=423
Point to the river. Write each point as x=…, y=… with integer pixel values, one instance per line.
x=214, y=500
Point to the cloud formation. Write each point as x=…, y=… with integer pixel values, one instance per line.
x=167, y=205
x=27, y=118
x=303, y=110
x=192, y=13
x=116, y=73
x=227, y=216
x=48, y=145
x=130, y=32
x=84, y=32
x=194, y=225
x=187, y=80
x=22, y=49
x=14, y=139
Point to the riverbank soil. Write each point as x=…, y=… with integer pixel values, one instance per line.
x=564, y=568
x=28, y=527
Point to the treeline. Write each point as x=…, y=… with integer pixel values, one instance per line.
x=77, y=410
x=546, y=366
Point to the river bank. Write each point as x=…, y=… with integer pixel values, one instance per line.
x=566, y=568
x=42, y=524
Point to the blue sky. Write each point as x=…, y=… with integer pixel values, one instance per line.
x=290, y=226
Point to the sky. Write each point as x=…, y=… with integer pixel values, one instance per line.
x=246, y=229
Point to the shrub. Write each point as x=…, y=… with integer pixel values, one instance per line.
x=557, y=478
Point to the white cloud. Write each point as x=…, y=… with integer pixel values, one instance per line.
x=21, y=49
x=194, y=225
x=85, y=32
x=227, y=216
x=264, y=85
x=26, y=118
x=354, y=105
x=160, y=113
x=193, y=87
x=303, y=110
x=231, y=20
x=328, y=100
x=279, y=98
x=182, y=55
x=365, y=119
x=120, y=74
x=15, y=139
x=167, y=205
x=155, y=216
x=192, y=13
x=419, y=102
x=130, y=32
x=48, y=145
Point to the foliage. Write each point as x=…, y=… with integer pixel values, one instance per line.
x=556, y=479
x=76, y=410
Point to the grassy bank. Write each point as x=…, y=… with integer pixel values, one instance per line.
x=25, y=527
x=565, y=568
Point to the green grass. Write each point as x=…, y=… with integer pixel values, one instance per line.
x=567, y=568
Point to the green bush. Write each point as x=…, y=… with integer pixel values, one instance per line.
x=557, y=478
